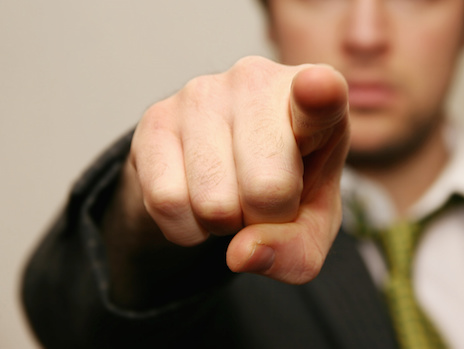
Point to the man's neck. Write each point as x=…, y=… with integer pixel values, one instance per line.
x=407, y=181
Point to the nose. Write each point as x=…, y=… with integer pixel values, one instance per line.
x=365, y=34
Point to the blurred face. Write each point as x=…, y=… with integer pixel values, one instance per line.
x=398, y=57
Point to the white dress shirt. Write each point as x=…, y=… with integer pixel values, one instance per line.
x=438, y=267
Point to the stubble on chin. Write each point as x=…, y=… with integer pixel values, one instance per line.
x=398, y=150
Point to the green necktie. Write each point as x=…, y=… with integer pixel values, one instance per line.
x=414, y=330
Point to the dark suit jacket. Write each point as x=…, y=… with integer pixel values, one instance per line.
x=67, y=308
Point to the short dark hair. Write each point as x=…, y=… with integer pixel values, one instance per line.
x=264, y=3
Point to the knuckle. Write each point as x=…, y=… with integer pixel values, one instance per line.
x=252, y=63
x=169, y=205
x=156, y=111
x=203, y=97
x=157, y=118
x=271, y=193
x=254, y=72
x=197, y=85
x=309, y=266
x=201, y=88
x=307, y=272
x=152, y=112
x=186, y=239
x=312, y=266
x=216, y=211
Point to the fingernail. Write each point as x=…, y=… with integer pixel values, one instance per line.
x=261, y=259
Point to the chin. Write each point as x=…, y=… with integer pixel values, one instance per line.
x=378, y=151
x=382, y=140
x=375, y=158
x=375, y=147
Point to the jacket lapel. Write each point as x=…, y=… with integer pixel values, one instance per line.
x=349, y=301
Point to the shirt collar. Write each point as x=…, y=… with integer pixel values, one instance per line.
x=379, y=209
x=451, y=180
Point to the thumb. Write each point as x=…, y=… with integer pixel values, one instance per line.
x=318, y=103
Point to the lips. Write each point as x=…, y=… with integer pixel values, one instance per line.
x=370, y=94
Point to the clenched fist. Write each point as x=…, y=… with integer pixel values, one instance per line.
x=256, y=152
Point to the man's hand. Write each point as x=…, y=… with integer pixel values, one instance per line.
x=257, y=152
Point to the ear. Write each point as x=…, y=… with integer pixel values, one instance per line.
x=271, y=30
x=271, y=33
x=273, y=38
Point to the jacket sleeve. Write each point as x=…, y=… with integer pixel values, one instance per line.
x=65, y=282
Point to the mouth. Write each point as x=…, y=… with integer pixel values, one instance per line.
x=370, y=94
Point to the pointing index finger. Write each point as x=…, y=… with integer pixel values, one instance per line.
x=319, y=101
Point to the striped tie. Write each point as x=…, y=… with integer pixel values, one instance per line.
x=413, y=328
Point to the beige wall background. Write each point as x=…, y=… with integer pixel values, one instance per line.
x=73, y=76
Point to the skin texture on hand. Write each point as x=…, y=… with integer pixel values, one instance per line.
x=256, y=152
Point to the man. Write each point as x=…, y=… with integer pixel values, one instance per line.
x=249, y=161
